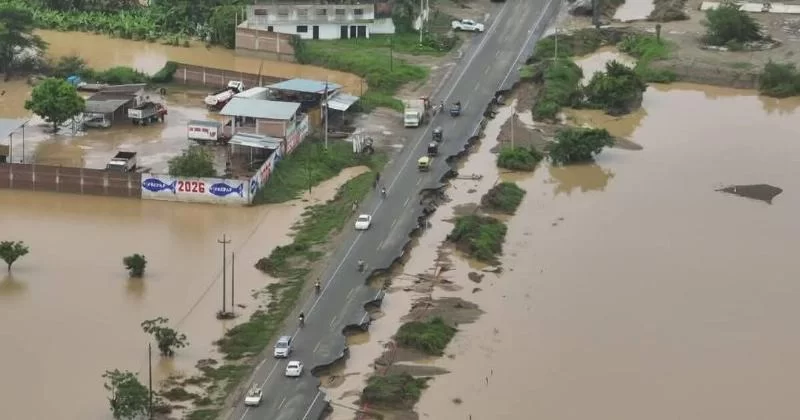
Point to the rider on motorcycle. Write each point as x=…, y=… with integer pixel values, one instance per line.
x=361, y=265
x=302, y=318
x=317, y=285
x=383, y=191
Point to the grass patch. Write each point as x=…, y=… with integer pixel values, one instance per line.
x=779, y=80
x=430, y=337
x=504, y=197
x=646, y=49
x=406, y=43
x=309, y=165
x=394, y=390
x=291, y=263
x=560, y=87
x=372, y=60
x=480, y=237
x=178, y=394
x=519, y=158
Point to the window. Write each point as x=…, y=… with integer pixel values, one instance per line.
x=322, y=12
x=358, y=12
x=283, y=12
x=339, y=12
x=302, y=12
x=260, y=12
x=270, y=28
x=301, y=29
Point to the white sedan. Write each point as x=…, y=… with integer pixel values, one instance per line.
x=363, y=222
x=253, y=397
x=468, y=25
x=294, y=369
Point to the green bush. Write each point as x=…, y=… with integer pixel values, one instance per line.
x=575, y=145
x=561, y=87
x=519, y=158
x=618, y=90
x=647, y=49
x=478, y=236
x=728, y=25
x=166, y=73
x=430, y=337
x=116, y=76
x=779, y=80
x=504, y=197
x=393, y=390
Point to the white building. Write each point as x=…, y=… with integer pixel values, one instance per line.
x=319, y=21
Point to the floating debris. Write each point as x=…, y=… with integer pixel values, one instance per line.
x=763, y=192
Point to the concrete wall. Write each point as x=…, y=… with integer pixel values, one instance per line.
x=69, y=180
x=272, y=128
x=264, y=44
x=295, y=135
x=382, y=26
x=260, y=178
x=196, y=190
x=218, y=78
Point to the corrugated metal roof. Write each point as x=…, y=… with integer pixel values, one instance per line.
x=257, y=108
x=204, y=123
x=104, y=106
x=250, y=93
x=255, y=141
x=8, y=126
x=305, y=85
x=130, y=89
x=341, y=101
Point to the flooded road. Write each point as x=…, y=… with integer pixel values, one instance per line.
x=69, y=312
x=102, y=52
x=646, y=294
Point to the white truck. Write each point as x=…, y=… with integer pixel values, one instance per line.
x=468, y=25
x=208, y=131
x=122, y=162
x=415, y=111
x=218, y=99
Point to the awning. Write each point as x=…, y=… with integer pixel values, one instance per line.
x=255, y=141
x=341, y=101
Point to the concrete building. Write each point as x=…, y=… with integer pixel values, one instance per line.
x=311, y=96
x=111, y=104
x=276, y=120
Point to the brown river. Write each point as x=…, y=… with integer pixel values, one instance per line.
x=632, y=289
x=68, y=311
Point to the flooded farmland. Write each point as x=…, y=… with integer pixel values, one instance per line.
x=68, y=311
x=632, y=288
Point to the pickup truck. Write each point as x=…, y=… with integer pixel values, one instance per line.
x=148, y=112
x=122, y=162
x=468, y=25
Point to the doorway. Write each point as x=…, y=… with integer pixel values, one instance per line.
x=343, y=32
x=315, y=32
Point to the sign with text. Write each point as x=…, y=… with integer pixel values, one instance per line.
x=296, y=135
x=195, y=190
x=261, y=176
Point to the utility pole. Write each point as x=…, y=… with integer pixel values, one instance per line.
x=555, y=54
x=391, y=54
x=233, y=280
x=326, y=113
x=421, y=20
x=150, y=379
x=224, y=241
x=513, y=116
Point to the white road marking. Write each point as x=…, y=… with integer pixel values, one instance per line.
x=317, y=346
x=283, y=401
x=332, y=321
x=530, y=35
x=419, y=181
x=407, y=201
x=310, y=406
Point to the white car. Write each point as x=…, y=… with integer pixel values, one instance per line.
x=363, y=222
x=253, y=397
x=467, y=25
x=294, y=369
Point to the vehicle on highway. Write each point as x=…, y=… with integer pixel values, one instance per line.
x=455, y=109
x=283, y=348
x=253, y=397
x=433, y=149
x=363, y=222
x=438, y=134
x=415, y=111
x=424, y=163
x=294, y=369
x=468, y=25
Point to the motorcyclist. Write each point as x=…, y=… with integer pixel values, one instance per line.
x=383, y=192
x=361, y=264
x=318, y=286
x=302, y=319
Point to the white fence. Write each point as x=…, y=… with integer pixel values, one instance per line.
x=196, y=190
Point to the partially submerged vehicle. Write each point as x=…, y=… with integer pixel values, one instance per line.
x=209, y=131
x=146, y=113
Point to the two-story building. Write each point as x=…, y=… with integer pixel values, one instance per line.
x=269, y=26
x=271, y=119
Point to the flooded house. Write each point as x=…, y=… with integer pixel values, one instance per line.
x=311, y=94
x=271, y=120
x=11, y=129
x=111, y=104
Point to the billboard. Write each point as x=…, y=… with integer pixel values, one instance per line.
x=262, y=175
x=195, y=190
x=296, y=135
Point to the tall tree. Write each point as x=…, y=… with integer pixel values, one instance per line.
x=167, y=338
x=16, y=36
x=56, y=101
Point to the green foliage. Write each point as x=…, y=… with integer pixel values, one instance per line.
x=646, y=49
x=504, y=197
x=618, y=90
x=91, y=5
x=577, y=43
x=166, y=338
x=478, y=236
x=519, y=158
x=135, y=264
x=779, y=80
x=129, y=398
x=166, y=73
x=561, y=87
x=575, y=145
x=309, y=165
x=11, y=251
x=193, y=162
x=372, y=60
x=56, y=101
x=116, y=76
x=223, y=25
x=64, y=67
x=728, y=25
x=430, y=337
x=16, y=34
x=393, y=390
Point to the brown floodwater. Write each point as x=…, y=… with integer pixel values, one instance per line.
x=102, y=52
x=68, y=311
x=645, y=294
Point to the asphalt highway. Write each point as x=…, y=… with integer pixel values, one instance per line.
x=490, y=64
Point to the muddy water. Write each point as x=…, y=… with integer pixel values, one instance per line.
x=632, y=10
x=652, y=297
x=69, y=311
x=103, y=52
